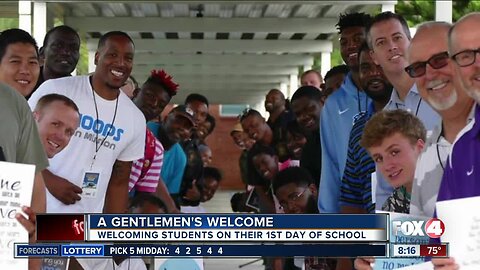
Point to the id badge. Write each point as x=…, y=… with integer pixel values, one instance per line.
x=90, y=184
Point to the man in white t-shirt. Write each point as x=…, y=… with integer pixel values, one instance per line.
x=91, y=174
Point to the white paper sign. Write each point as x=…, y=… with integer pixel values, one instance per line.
x=400, y=263
x=462, y=230
x=422, y=266
x=16, y=185
x=55, y=263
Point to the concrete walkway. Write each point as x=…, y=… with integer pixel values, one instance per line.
x=221, y=204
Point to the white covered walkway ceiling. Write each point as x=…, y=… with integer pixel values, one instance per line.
x=230, y=51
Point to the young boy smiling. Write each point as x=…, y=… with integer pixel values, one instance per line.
x=395, y=139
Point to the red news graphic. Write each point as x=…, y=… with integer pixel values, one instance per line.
x=78, y=226
x=433, y=228
x=433, y=250
x=68, y=228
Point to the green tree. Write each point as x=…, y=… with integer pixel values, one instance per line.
x=418, y=11
x=463, y=7
x=6, y=23
x=82, y=66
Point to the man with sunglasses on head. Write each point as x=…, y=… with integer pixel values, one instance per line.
x=388, y=37
x=437, y=84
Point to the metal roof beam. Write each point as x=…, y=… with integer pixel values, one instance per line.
x=178, y=24
x=226, y=46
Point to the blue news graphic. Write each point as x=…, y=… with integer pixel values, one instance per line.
x=231, y=227
x=90, y=250
x=397, y=223
x=26, y=250
x=157, y=250
x=215, y=221
x=62, y=250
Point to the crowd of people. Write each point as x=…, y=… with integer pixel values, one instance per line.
x=393, y=129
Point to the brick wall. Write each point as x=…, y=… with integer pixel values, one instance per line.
x=225, y=154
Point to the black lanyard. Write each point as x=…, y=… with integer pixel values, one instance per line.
x=418, y=104
x=438, y=151
x=97, y=147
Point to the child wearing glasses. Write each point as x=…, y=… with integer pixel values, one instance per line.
x=297, y=194
x=395, y=139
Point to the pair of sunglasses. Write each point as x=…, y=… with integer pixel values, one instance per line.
x=437, y=61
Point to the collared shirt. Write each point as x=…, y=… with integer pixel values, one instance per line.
x=429, y=172
x=416, y=105
x=357, y=181
x=336, y=122
x=462, y=173
x=356, y=188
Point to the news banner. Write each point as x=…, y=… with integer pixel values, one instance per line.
x=229, y=235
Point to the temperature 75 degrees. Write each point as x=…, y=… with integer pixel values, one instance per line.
x=433, y=250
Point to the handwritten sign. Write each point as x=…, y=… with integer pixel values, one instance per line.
x=54, y=264
x=462, y=230
x=399, y=238
x=16, y=184
x=422, y=266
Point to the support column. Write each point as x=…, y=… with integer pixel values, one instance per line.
x=388, y=7
x=25, y=16
x=307, y=67
x=39, y=21
x=443, y=10
x=260, y=107
x=326, y=63
x=293, y=83
x=285, y=90
x=91, y=61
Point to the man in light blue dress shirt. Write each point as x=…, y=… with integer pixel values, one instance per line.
x=389, y=37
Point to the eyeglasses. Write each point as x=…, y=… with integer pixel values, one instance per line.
x=465, y=58
x=418, y=69
x=292, y=198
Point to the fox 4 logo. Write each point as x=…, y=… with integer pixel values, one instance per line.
x=433, y=227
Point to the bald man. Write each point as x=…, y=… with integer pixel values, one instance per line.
x=460, y=179
x=434, y=75
x=276, y=106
